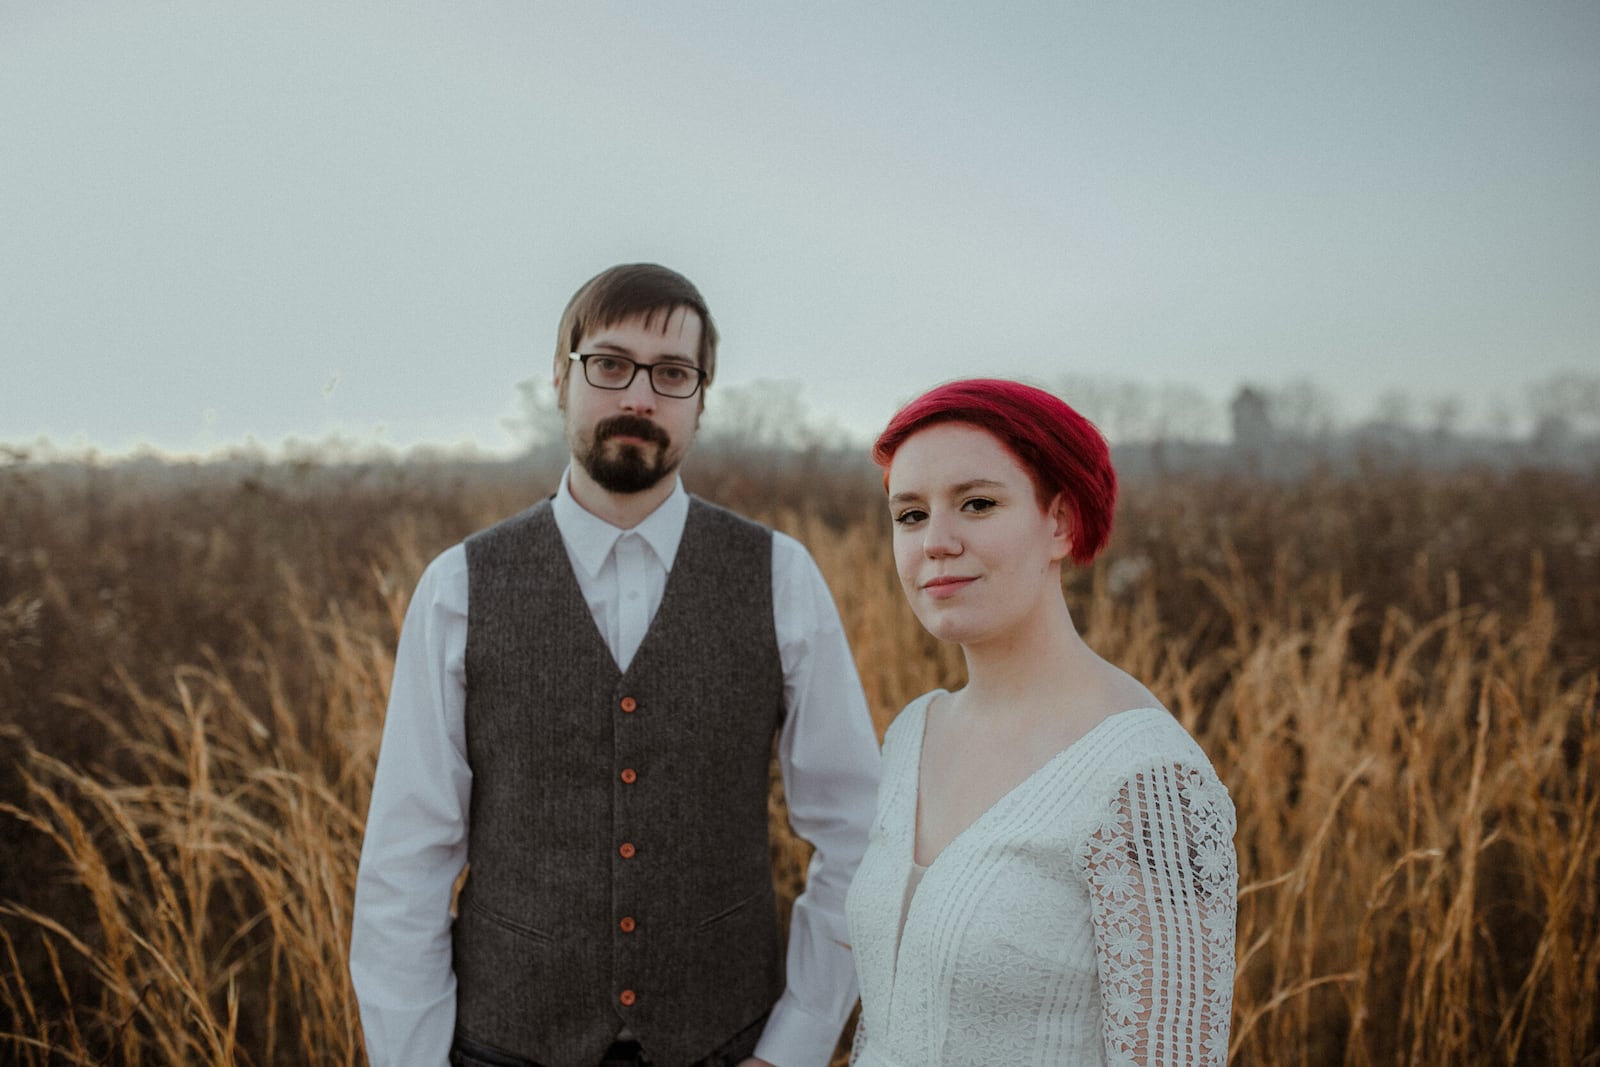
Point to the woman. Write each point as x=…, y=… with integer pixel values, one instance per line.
x=1051, y=875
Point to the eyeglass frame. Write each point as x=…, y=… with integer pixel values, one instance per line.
x=582, y=359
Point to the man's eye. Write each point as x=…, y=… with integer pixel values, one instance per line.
x=607, y=364
x=672, y=374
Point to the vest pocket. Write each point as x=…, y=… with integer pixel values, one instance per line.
x=734, y=908
x=520, y=929
x=468, y=1053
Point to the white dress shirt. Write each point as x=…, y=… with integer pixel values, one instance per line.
x=416, y=832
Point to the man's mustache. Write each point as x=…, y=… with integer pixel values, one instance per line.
x=630, y=426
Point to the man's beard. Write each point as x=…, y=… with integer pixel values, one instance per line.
x=625, y=469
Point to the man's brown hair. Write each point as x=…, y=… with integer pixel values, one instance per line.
x=622, y=292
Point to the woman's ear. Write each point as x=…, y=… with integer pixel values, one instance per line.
x=1063, y=518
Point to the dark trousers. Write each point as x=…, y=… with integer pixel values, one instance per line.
x=468, y=1053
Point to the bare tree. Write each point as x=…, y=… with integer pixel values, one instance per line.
x=1128, y=411
x=1570, y=397
x=1120, y=408
x=1444, y=416
x=1395, y=410
x=1184, y=413
x=537, y=423
x=765, y=413
x=1302, y=410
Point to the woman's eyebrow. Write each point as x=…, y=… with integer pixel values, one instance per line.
x=958, y=488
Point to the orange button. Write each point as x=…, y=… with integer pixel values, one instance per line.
x=626, y=850
x=627, y=998
x=627, y=924
x=630, y=775
x=628, y=704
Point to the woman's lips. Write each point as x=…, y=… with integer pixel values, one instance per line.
x=945, y=586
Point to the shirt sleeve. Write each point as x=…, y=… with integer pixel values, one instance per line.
x=416, y=833
x=1163, y=879
x=828, y=755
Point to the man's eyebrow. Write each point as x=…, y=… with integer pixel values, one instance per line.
x=622, y=349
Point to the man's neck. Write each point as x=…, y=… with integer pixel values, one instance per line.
x=622, y=510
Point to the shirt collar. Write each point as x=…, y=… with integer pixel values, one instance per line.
x=590, y=539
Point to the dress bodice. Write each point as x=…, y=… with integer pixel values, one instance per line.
x=1086, y=917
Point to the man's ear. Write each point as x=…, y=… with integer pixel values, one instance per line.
x=558, y=379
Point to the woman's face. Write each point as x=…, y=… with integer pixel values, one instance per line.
x=977, y=556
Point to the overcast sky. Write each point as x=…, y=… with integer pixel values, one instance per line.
x=231, y=221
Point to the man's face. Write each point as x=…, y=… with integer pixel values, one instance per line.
x=629, y=439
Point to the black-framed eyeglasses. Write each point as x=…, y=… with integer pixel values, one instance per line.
x=604, y=370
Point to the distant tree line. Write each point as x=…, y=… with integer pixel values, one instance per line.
x=1273, y=430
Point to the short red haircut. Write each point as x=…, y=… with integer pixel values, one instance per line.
x=1059, y=448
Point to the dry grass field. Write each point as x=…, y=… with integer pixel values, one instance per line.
x=1395, y=674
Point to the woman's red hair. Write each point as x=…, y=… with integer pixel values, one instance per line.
x=1059, y=448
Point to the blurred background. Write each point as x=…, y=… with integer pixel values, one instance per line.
x=355, y=224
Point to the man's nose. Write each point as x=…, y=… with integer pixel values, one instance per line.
x=639, y=397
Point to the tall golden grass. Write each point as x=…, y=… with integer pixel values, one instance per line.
x=1395, y=675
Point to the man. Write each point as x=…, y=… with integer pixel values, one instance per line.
x=584, y=702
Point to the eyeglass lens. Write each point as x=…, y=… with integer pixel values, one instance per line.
x=606, y=371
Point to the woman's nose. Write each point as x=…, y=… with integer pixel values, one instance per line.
x=940, y=538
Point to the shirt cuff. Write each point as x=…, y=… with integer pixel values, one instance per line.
x=794, y=1037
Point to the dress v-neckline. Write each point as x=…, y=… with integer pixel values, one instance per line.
x=1002, y=801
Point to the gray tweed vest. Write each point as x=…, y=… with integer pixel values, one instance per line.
x=619, y=869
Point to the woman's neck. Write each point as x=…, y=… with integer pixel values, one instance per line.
x=1031, y=665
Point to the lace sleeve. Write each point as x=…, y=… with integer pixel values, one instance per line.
x=1163, y=878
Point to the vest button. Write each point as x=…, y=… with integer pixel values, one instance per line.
x=629, y=775
x=629, y=704
x=627, y=924
x=627, y=997
x=627, y=850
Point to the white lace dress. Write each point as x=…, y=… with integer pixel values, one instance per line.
x=1086, y=918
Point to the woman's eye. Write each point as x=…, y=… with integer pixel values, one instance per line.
x=910, y=516
x=979, y=504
